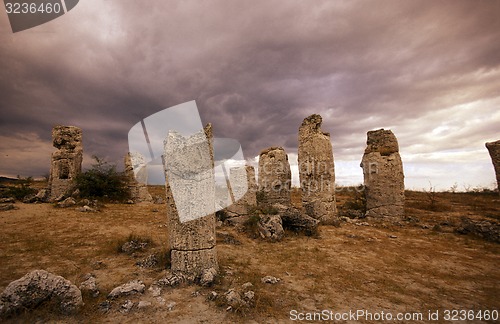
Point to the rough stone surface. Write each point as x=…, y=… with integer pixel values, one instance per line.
x=5, y=207
x=68, y=202
x=271, y=228
x=66, y=161
x=275, y=176
x=192, y=242
x=487, y=229
x=137, y=175
x=35, y=288
x=90, y=286
x=294, y=219
x=383, y=176
x=242, y=178
x=208, y=276
x=494, y=150
x=270, y=280
x=131, y=287
x=316, y=170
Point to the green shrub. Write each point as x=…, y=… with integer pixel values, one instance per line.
x=20, y=190
x=102, y=181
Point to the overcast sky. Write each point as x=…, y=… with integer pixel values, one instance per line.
x=427, y=70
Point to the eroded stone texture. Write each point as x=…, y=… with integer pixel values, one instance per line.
x=383, y=175
x=137, y=180
x=242, y=180
x=274, y=176
x=494, y=149
x=37, y=287
x=189, y=167
x=66, y=162
x=316, y=170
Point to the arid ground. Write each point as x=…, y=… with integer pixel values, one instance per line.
x=416, y=265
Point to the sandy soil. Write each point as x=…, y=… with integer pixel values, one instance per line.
x=407, y=267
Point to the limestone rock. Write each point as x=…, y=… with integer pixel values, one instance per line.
x=316, y=170
x=66, y=161
x=137, y=175
x=68, y=202
x=271, y=228
x=294, y=219
x=90, y=286
x=242, y=178
x=208, y=276
x=126, y=306
x=383, y=176
x=494, y=150
x=270, y=280
x=36, y=287
x=275, y=176
x=131, y=287
x=189, y=169
x=5, y=207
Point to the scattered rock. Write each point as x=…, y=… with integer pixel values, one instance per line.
x=246, y=285
x=144, y=304
x=126, y=306
x=5, y=207
x=150, y=261
x=155, y=290
x=393, y=236
x=233, y=299
x=90, y=286
x=249, y=296
x=228, y=238
x=8, y=200
x=87, y=209
x=132, y=246
x=271, y=228
x=270, y=280
x=131, y=287
x=105, y=306
x=294, y=219
x=171, y=280
x=488, y=230
x=208, y=276
x=68, y=202
x=170, y=306
x=212, y=295
x=362, y=224
x=36, y=287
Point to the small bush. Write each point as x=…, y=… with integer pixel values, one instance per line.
x=102, y=181
x=20, y=190
x=251, y=225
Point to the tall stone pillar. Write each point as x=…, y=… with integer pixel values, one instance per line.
x=383, y=175
x=190, y=195
x=66, y=162
x=316, y=170
x=242, y=178
x=275, y=176
x=137, y=176
x=494, y=149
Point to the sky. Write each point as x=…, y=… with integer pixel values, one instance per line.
x=427, y=70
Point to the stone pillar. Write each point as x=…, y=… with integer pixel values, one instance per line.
x=243, y=178
x=275, y=176
x=316, y=170
x=494, y=149
x=137, y=175
x=383, y=174
x=66, y=162
x=190, y=180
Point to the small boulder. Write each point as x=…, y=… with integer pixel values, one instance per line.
x=270, y=280
x=36, y=287
x=68, y=202
x=271, y=228
x=90, y=286
x=208, y=276
x=131, y=287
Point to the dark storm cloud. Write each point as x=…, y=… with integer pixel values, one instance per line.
x=258, y=68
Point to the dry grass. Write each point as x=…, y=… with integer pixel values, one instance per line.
x=386, y=267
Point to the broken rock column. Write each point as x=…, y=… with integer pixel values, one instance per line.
x=190, y=194
x=383, y=175
x=242, y=180
x=274, y=176
x=494, y=149
x=66, y=162
x=316, y=170
x=137, y=176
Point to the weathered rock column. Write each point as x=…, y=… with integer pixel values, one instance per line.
x=275, y=176
x=383, y=174
x=494, y=149
x=241, y=178
x=189, y=172
x=66, y=162
x=316, y=170
x=137, y=182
